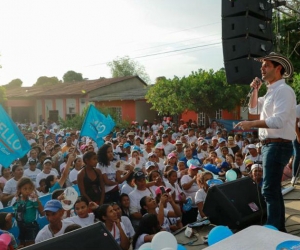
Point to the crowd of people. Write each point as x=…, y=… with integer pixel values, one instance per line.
x=155, y=174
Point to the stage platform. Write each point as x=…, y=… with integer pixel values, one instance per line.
x=292, y=214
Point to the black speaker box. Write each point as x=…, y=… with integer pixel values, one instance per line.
x=259, y=8
x=239, y=26
x=242, y=71
x=245, y=46
x=236, y=204
x=93, y=237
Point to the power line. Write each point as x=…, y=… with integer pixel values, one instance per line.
x=162, y=53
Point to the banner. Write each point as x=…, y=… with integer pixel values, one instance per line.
x=96, y=125
x=13, y=144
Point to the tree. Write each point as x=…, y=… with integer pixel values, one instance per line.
x=72, y=76
x=45, y=80
x=296, y=86
x=202, y=91
x=14, y=83
x=125, y=66
x=2, y=96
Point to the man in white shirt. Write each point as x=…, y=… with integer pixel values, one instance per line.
x=53, y=211
x=277, y=109
x=253, y=154
x=32, y=171
x=168, y=147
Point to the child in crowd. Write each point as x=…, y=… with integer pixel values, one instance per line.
x=125, y=204
x=42, y=188
x=176, y=191
x=83, y=217
x=52, y=183
x=146, y=230
x=5, y=176
x=90, y=179
x=47, y=170
x=25, y=208
x=200, y=196
x=5, y=225
x=182, y=170
x=155, y=179
x=78, y=164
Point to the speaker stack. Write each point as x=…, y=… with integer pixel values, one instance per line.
x=246, y=34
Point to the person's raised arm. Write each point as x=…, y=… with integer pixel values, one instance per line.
x=66, y=171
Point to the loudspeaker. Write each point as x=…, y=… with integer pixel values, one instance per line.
x=258, y=8
x=93, y=237
x=236, y=204
x=246, y=34
x=242, y=70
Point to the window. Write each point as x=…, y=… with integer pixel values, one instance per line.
x=116, y=112
x=201, y=119
x=219, y=114
x=71, y=110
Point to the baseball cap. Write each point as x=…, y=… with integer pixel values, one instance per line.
x=221, y=140
x=164, y=136
x=83, y=147
x=139, y=175
x=147, y=141
x=255, y=166
x=149, y=164
x=53, y=206
x=230, y=138
x=171, y=155
x=258, y=145
x=151, y=154
x=193, y=167
x=137, y=137
x=203, y=142
x=31, y=161
x=46, y=161
x=130, y=133
x=178, y=142
x=5, y=240
x=158, y=190
x=126, y=145
x=251, y=146
x=219, y=132
x=214, y=138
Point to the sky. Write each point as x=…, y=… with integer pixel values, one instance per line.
x=48, y=38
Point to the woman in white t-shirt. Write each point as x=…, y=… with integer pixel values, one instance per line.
x=146, y=230
x=111, y=176
x=109, y=217
x=78, y=164
x=176, y=191
x=200, y=196
x=83, y=217
x=10, y=187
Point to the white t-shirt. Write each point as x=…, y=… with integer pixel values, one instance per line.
x=115, y=232
x=32, y=174
x=192, y=190
x=168, y=148
x=175, y=189
x=81, y=221
x=73, y=175
x=191, y=139
x=10, y=186
x=241, y=168
x=128, y=226
x=42, y=175
x=62, y=166
x=140, y=241
x=110, y=171
x=45, y=234
x=135, y=196
x=126, y=189
x=166, y=223
x=200, y=197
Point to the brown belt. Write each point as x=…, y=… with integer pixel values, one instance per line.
x=271, y=140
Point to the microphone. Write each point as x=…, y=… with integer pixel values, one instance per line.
x=258, y=80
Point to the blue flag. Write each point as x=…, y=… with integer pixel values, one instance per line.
x=13, y=144
x=96, y=125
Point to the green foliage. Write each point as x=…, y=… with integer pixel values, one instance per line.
x=296, y=86
x=14, y=83
x=72, y=76
x=45, y=80
x=201, y=91
x=124, y=66
x=2, y=96
x=77, y=120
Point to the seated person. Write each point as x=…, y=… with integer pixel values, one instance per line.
x=256, y=173
x=54, y=212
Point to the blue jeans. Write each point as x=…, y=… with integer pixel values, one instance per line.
x=275, y=157
x=296, y=159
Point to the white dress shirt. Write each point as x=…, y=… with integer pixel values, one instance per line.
x=278, y=108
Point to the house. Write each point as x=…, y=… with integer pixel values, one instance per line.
x=124, y=95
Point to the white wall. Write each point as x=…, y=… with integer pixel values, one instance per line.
x=82, y=104
x=59, y=107
x=70, y=103
x=48, y=106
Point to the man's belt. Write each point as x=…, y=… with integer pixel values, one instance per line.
x=271, y=140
